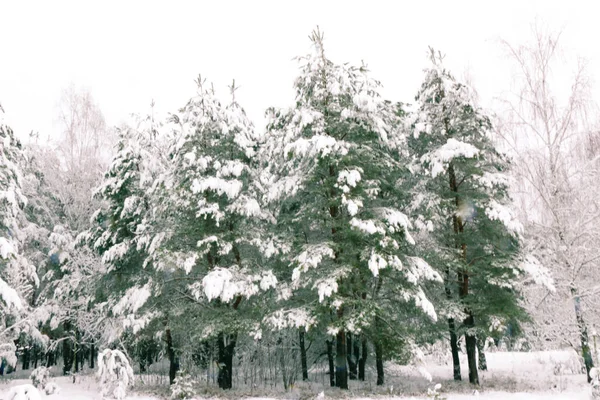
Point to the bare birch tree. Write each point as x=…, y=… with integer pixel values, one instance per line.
x=546, y=126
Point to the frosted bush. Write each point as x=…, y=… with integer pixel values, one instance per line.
x=51, y=388
x=183, y=386
x=595, y=383
x=39, y=377
x=435, y=392
x=115, y=374
x=23, y=392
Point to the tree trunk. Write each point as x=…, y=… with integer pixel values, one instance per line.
x=304, y=363
x=454, y=349
x=352, y=349
x=583, y=334
x=341, y=370
x=481, y=355
x=173, y=362
x=49, y=359
x=379, y=362
x=67, y=350
x=226, y=344
x=471, y=342
x=36, y=352
x=331, y=364
x=362, y=362
x=92, y=355
x=26, y=356
x=76, y=351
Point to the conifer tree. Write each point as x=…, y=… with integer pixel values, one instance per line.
x=462, y=198
x=335, y=174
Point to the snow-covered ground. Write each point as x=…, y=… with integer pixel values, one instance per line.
x=512, y=376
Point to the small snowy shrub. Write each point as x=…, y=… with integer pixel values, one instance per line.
x=115, y=374
x=572, y=366
x=40, y=377
x=434, y=393
x=23, y=392
x=51, y=388
x=595, y=383
x=183, y=386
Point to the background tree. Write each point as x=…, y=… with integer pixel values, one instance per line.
x=546, y=130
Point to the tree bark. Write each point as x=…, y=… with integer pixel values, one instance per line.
x=92, y=355
x=353, y=351
x=173, y=362
x=481, y=355
x=379, y=362
x=67, y=350
x=304, y=363
x=331, y=363
x=226, y=345
x=26, y=356
x=471, y=342
x=362, y=362
x=583, y=334
x=341, y=369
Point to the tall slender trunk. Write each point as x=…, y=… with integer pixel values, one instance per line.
x=304, y=363
x=471, y=342
x=583, y=334
x=67, y=350
x=481, y=355
x=463, y=280
x=352, y=349
x=36, y=352
x=454, y=349
x=341, y=369
x=379, y=362
x=92, y=355
x=26, y=357
x=331, y=363
x=362, y=362
x=226, y=345
x=173, y=362
x=76, y=351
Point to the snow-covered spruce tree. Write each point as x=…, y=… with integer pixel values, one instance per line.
x=71, y=284
x=18, y=277
x=126, y=286
x=461, y=195
x=210, y=223
x=335, y=173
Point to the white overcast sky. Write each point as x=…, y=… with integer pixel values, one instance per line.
x=129, y=52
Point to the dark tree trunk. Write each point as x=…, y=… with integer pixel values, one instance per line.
x=303, y=362
x=352, y=349
x=454, y=349
x=36, y=352
x=67, y=350
x=379, y=362
x=471, y=342
x=173, y=362
x=92, y=355
x=362, y=362
x=583, y=334
x=331, y=363
x=481, y=355
x=341, y=370
x=26, y=356
x=49, y=359
x=76, y=351
x=226, y=345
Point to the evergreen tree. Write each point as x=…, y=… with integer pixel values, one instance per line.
x=212, y=218
x=335, y=173
x=461, y=196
